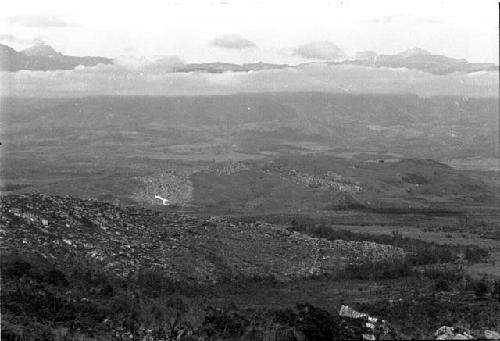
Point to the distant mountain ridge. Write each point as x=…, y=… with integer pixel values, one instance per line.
x=419, y=59
x=41, y=50
x=43, y=57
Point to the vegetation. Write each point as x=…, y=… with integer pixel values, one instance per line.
x=38, y=299
x=419, y=252
x=40, y=302
x=417, y=316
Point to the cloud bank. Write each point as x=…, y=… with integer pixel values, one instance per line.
x=127, y=64
x=132, y=77
x=401, y=18
x=323, y=50
x=232, y=41
x=10, y=38
x=40, y=21
x=366, y=55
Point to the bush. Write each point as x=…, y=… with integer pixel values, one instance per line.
x=442, y=285
x=16, y=268
x=81, y=298
x=482, y=288
x=156, y=284
x=476, y=254
x=55, y=277
x=495, y=293
x=388, y=269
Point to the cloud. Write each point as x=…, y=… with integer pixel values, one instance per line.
x=154, y=78
x=323, y=50
x=366, y=55
x=401, y=19
x=40, y=21
x=9, y=38
x=164, y=64
x=232, y=41
x=129, y=50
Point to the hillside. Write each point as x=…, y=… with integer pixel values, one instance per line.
x=182, y=248
x=314, y=182
x=75, y=268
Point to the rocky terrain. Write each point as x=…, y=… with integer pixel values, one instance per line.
x=183, y=248
x=86, y=269
x=174, y=186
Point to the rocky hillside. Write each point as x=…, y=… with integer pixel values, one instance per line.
x=84, y=269
x=185, y=249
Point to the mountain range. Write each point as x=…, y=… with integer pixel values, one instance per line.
x=42, y=57
x=419, y=59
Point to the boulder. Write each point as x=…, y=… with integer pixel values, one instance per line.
x=491, y=335
x=452, y=333
x=375, y=328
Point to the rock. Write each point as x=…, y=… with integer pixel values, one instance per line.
x=491, y=335
x=452, y=333
x=378, y=328
x=349, y=312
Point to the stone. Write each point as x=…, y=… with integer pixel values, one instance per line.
x=491, y=335
x=452, y=333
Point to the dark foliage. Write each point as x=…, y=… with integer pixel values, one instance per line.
x=419, y=252
x=419, y=316
x=482, y=288
x=318, y=324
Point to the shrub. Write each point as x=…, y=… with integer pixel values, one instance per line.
x=442, y=285
x=495, y=293
x=482, y=288
x=55, y=277
x=155, y=284
x=476, y=254
x=388, y=269
x=16, y=268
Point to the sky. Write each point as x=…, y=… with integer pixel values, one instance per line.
x=278, y=31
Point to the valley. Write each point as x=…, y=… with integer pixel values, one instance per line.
x=227, y=217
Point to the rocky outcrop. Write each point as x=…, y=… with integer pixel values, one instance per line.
x=174, y=186
x=491, y=335
x=453, y=333
x=376, y=329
